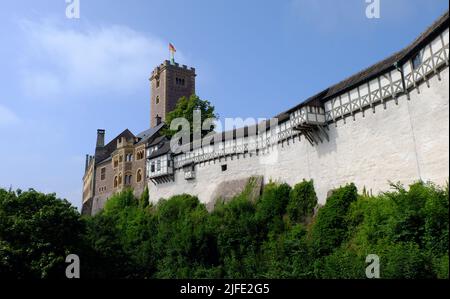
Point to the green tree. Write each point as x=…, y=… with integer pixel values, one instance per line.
x=145, y=198
x=37, y=232
x=122, y=238
x=237, y=232
x=331, y=228
x=271, y=207
x=182, y=245
x=185, y=108
x=302, y=201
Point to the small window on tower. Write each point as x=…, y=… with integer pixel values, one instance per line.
x=103, y=173
x=157, y=100
x=157, y=83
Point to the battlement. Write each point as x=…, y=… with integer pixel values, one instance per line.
x=167, y=64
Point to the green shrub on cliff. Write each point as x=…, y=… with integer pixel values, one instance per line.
x=275, y=236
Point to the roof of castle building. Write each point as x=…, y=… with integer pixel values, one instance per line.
x=365, y=75
x=158, y=140
x=148, y=134
x=163, y=149
x=381, y=67
x=105, y=152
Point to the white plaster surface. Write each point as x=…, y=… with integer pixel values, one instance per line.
x=404, y=143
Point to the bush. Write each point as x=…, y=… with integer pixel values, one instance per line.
x=330, y=228
x=302, y=201
x=271, y=237
x=182, y=243
x=271, y=207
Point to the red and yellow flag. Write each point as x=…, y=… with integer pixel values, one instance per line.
x=172, y=48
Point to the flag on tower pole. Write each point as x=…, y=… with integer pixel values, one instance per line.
x=172, y=53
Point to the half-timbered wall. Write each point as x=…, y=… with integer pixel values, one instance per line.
x=387, y=129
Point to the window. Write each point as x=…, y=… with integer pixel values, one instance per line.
x=417, y=61
x=179, y=81
x=120, y=159
x=103, y=174
x=157, y=100
x=224, y=167
x=157, y=83
x=116, y=182
x=129, y=158
x=140, y=155
x=128, y=180
x=116, y=163
x=139, y=176
x=120, y=179
x=152, y=168
x=158, y=165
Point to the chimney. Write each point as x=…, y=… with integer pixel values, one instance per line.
x=87, y=163
x=100, y=138
x=158, y=120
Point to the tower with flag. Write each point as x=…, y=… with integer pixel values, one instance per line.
x=172, y=53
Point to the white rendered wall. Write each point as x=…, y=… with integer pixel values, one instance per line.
x=403, y=143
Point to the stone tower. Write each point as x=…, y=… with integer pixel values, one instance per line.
x=169, y=82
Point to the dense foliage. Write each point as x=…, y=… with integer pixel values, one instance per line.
x=283, y=234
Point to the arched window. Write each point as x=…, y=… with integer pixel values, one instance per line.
x=115, y=182
x=120, y=178
x=139, y=176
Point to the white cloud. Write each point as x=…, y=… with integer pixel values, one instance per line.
x=94, y=60
x=7, y=117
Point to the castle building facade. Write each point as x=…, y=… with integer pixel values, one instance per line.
x=122, y=163
x=387, y=123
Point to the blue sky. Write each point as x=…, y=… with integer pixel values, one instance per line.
x=61, y=79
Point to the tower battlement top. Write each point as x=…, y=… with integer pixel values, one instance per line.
x=167, y=64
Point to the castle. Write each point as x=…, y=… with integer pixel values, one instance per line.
x=388, y=123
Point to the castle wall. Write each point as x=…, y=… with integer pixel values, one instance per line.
x=103, y=187
x=402, y=143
